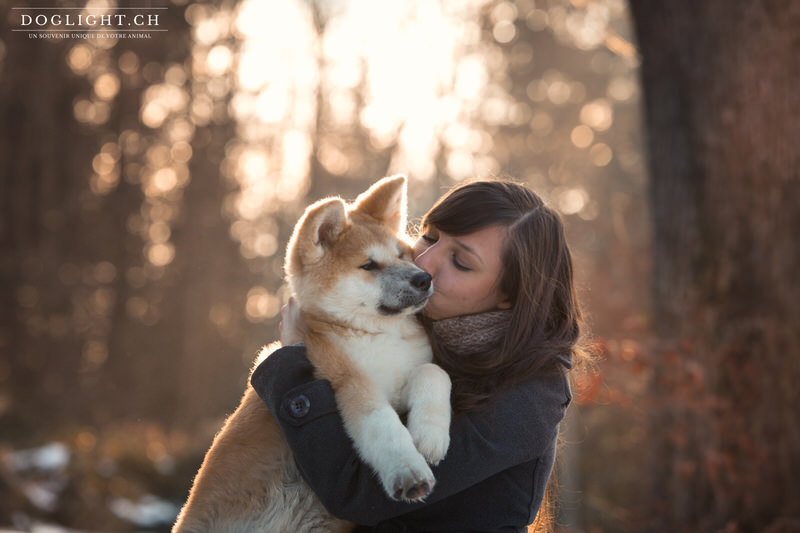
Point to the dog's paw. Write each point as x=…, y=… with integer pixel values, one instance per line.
x=410, y=481
x=415, y=492
x=432, y=442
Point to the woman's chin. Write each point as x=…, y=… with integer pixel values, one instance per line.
x=430, y=313
x=433, y=313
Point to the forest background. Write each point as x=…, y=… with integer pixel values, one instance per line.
x=150, y=180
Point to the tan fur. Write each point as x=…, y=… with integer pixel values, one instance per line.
x=248, y=481
x=248, y=465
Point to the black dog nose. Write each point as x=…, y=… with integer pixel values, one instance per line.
x=421, y=281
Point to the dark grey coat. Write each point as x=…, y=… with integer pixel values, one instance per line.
x=492, y=480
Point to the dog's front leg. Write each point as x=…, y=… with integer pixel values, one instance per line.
x=385, y=444
x=379, y=436
x=427, y=395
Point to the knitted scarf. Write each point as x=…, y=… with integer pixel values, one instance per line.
x=470, y=334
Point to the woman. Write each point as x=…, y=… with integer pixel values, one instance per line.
x=504, y=322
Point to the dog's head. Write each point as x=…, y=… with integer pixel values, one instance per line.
x=351, y=262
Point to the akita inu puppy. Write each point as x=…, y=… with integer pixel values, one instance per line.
x=353, y=277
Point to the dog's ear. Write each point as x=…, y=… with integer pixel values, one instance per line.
x=386, y=202
x=317, y=231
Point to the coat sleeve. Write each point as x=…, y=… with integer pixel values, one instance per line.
x=517, y=427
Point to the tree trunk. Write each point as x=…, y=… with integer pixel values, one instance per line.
x=721, y=101
x=40, y=225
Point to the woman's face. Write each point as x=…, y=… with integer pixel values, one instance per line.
x=465, y=271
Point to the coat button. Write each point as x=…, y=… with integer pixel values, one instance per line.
x=299, y=406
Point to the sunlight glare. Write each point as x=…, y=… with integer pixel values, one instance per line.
x=598, y=114
x=587, y=27
x=504, y=32
x=582, y=136
x=471, y=77
x=253, y=165
x=164, y=180
x=181, y=152
x=572, y=201
x=601, y=154
x=79, y=58
x=541, y=124
x=106, y=86
x=261, y=304
x=128, y=62
x=159, y=101
x=403, y=82
x=271, y=105
x=160, y=254
x=622, y=88
x=295, y=164
x=334, y=161
x=218, y=60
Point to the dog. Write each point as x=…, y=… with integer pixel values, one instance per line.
x=351, y=271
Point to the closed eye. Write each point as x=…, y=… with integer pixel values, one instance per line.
x=370, y=265
x=460, y=266
x=428, y=238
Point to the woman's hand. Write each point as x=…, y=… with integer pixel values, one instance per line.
x=292, y=326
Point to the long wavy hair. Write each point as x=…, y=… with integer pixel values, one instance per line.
x=536, y=276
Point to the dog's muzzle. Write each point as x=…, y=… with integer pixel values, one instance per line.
x=405, y=290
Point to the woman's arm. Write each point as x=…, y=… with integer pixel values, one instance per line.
x=518, y=426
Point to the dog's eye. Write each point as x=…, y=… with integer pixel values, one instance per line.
x=370, y=265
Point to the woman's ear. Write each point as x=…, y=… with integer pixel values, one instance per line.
x=504, y=303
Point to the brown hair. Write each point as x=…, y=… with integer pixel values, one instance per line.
x=536, y=277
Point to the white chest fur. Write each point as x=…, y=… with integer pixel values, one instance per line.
x=387, y=358
x=396, y=361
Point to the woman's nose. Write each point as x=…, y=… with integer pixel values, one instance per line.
x=425, y=260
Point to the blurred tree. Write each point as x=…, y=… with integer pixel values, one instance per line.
x=111, y=225
x=721, y=98
x=42, y=226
